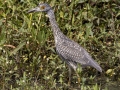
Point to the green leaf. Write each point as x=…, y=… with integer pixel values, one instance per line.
x=17, y=48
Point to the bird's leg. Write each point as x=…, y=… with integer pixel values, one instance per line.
x=69, y=82
x=78, y=76
x=78, y=71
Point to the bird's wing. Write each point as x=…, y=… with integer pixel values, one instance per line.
x=72, y=51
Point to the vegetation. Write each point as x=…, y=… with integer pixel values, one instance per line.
x=27, y=53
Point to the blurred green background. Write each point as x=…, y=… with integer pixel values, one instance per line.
x=28, y=60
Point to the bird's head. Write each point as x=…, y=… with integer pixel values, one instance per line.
x=42, y=7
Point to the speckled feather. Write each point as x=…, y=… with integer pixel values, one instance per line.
x=68, y=50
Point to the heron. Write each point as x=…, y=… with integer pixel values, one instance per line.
x=68, y=50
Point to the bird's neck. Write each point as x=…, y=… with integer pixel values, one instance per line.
x=55, y=28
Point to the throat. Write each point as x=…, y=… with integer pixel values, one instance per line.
x=55, y=28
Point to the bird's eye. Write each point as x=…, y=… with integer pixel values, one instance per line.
x=42, y=7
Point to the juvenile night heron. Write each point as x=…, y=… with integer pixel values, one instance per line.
x=68, y=50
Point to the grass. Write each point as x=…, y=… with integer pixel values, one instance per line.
x=27, y=56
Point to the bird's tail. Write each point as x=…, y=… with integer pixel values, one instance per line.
x=95, y=65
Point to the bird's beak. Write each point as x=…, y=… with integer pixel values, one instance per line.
x=33, y=10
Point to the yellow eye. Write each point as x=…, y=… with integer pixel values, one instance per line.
x=42, y=7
